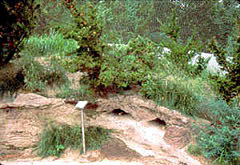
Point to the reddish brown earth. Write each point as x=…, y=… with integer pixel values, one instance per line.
x=139, y=138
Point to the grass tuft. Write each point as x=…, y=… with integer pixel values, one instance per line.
x=56, y=138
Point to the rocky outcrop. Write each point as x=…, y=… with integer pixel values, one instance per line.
x=179, y=137
x=31, y=100
x=22, y=121
x=143, y=110
x=133, y=117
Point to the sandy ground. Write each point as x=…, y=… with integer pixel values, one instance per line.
x=61, y=162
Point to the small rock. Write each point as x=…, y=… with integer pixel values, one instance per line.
x=177, y=136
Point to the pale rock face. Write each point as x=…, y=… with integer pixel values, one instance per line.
x=143, y=110
x=155, y=133
x=212, y=66
x=179, y=137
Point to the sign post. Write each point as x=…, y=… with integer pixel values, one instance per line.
x=80, y=106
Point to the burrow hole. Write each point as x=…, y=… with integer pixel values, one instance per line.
x=157, y=122
x=119, y=112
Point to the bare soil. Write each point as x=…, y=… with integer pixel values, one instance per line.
x=132, y=142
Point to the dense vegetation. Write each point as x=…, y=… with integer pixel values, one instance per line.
x=119, y=46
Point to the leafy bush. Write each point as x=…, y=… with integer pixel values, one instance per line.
x=108, y=68
x=56, y=138
x=87, y=33
x=220, y=139
x=16, y=23
x=228, y=58
x=130, y=64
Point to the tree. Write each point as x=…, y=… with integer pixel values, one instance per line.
x=15, y=24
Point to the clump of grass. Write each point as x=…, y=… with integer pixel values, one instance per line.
x=53, y=43
x=44, y=58
x=168, y=86
x=56, y=138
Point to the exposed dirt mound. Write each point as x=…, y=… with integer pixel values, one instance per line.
x=143, y=132
x=116, y=149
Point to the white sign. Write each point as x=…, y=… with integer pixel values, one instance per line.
x=81, y=104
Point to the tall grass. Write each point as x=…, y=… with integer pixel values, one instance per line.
x=45, y=59
x=56, y=138
x=53, y=43
x=171, y=87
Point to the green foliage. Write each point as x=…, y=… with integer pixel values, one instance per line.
x=129, y=64
x=126, y=19
x=46, y=58
x=220, y=140
x=39, y=72
x=15, y=24
x=170, y=87
x=56, y=138
x=181, y=53
x=52, y=15
x=225, y=13
x=228, y=58
x=83, y=93
x=87, y=33
x=52, y=44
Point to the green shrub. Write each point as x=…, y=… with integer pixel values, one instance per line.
x=108, y=68
x=129, y=64
x=220, y=140
x=87, y=33
x=56, y=138
x=228, y=58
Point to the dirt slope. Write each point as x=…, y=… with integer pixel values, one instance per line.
x=133, y=142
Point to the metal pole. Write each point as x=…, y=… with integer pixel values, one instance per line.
x=80, y=106
x=83, y=134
